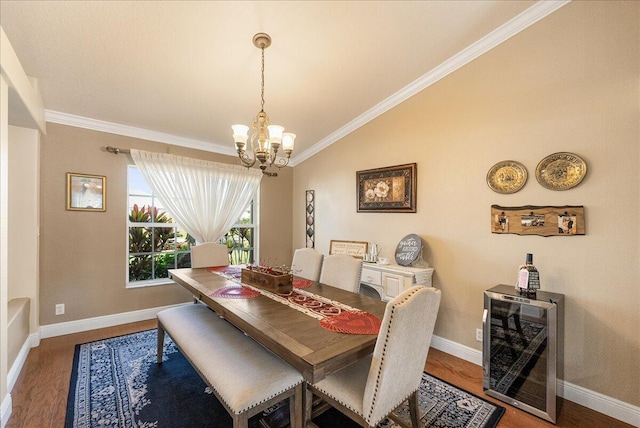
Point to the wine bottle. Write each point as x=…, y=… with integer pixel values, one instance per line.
x=528, y=276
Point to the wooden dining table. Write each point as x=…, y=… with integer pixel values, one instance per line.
x=294, y=336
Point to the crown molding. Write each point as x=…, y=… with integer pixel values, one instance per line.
x=131, y=131
x=509, y=29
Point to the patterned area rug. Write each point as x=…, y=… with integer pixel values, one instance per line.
x=117, y=383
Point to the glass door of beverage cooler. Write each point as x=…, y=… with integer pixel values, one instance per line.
x=520, y=349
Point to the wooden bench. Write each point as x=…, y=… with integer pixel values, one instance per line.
x=245, y=376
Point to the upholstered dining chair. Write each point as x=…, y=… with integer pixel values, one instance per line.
x=209, y=254
x=307, y=263
x=342, y=271
x=370, y=389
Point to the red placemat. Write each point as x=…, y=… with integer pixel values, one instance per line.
x=352, y=322
x=301, y=283
x=235, y=292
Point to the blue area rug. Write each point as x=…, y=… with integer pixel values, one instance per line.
x=116, y=383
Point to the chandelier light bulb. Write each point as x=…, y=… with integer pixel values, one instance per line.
x=288, y=141
x=240, y=133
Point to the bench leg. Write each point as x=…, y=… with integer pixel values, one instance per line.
x=160, y=343
x=296, y=412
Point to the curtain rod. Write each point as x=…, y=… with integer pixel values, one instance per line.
x=116, y=150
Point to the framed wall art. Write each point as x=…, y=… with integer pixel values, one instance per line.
x=356, y=249
x=391, y=189
x=86, y=192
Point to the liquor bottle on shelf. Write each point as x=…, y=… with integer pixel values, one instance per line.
x=528, y=277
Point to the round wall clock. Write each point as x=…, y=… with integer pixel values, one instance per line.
x=561, y=171
x=507, y=177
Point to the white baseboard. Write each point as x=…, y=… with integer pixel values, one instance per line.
x=600, y=403
x=32, y=341
x=617, y=409
x=5, y=410
x=52, y=330
x=457, y=350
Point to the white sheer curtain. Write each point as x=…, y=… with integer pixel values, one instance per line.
x=205, y=198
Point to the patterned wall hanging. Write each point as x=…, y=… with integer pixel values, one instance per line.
x=310, y=215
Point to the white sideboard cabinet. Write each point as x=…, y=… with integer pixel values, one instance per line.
x=387, y=281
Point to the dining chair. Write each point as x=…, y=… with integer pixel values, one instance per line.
x=342, y=271
x=370, y=389
x=209, y=254
x=307, y=263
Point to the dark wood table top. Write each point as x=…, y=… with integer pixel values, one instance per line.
x=292, y=335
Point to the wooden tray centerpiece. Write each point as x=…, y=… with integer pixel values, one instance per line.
x=267, y=278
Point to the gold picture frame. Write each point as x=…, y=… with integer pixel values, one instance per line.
x=390, y=190
x=355, y=249
x=86, y=192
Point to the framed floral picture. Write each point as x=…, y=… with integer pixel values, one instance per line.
x=391, y=189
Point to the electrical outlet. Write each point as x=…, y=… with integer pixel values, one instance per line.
x=60, y=309
x=479, y=334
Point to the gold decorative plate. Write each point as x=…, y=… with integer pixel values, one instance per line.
x=561, y=171
x=507, y=177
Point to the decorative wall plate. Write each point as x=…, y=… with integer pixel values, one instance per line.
x=561, y=171
x=507, y=177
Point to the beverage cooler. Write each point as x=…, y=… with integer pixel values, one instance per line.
x=522, y=348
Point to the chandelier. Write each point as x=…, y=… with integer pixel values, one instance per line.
x=265, y=139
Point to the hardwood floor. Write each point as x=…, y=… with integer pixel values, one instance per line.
x=40, y=394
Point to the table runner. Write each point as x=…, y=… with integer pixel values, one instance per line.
x=333, y=315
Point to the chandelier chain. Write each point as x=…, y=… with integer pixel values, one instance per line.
x=262, y=85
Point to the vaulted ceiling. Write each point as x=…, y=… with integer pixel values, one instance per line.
x=184, y=71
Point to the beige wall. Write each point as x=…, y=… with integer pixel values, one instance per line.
x=568, y=83
x=24, y=184
x=83, y=254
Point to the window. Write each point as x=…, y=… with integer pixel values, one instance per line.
x=240, y=239
x=156, y=243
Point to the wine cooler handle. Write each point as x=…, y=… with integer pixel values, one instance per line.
x=485, y=344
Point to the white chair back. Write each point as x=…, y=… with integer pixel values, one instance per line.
x=209, y=254
x=401, y=350
x=342, y=271
x=307, y=263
